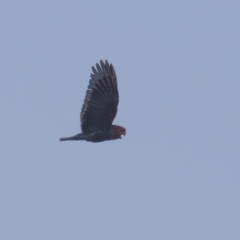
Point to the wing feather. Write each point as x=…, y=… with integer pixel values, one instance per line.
x=100, y=104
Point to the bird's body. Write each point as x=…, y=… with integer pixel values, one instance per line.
x=100, y=107
x=97, y=136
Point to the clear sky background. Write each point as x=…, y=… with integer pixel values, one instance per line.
x=176, y=174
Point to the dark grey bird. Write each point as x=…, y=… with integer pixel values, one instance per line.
x=100, y=107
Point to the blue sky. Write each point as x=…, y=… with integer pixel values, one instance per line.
x=176, y=173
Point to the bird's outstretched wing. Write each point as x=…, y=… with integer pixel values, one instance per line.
x=100, y=104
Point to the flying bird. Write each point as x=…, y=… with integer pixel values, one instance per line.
x=100, y=107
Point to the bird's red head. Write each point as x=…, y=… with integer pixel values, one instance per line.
x=118, y=131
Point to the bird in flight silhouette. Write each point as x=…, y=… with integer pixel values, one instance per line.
x=100, y=107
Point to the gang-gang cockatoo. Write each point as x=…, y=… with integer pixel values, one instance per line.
x=100, y=107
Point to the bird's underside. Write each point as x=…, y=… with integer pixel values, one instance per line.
x=99, y=136
x=100, y=107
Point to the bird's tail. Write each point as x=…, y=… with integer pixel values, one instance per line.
x=79, y=136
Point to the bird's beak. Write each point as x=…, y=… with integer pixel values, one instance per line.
x=124, y=133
